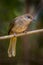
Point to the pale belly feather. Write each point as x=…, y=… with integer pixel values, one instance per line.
x=19, y=29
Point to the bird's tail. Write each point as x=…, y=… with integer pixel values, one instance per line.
x=12, y=47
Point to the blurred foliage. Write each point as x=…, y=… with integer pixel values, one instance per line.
x=10, y=9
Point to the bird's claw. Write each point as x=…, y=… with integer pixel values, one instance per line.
x=14, y=34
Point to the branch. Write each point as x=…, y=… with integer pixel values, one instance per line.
x=21, y=34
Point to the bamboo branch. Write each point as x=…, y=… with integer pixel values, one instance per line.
x=21, y=34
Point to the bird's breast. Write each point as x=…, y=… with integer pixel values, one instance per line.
x=19, y=28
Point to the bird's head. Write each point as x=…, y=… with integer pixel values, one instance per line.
x=28, y=18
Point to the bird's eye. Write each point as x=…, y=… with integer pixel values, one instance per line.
x=28, y=17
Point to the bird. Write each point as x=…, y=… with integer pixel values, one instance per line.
x=18, y=25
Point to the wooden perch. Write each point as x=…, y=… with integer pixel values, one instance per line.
x=21, y=34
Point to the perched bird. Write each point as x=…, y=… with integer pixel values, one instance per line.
x=18, y=25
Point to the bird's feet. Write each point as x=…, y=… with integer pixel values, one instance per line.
x=15, y=34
